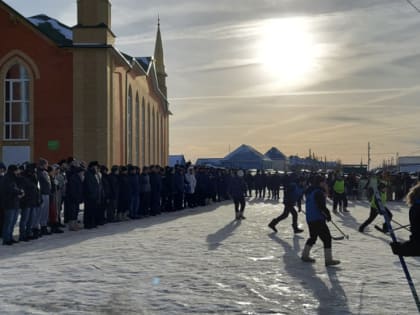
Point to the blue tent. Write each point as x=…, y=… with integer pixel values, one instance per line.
x=278, y=158
x=246, y=157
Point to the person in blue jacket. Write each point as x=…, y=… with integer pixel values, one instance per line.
x=317, y=216
x=412, y=246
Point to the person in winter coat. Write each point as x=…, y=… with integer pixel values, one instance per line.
x=317, y=215
x=412, y=246
x=179, y=186
x=114, y=190
x=374, y=209
x=12, y=194
x=74, y=195
x=53, y=211
x=237, y=191
x=45, y=188
x=145, y=189
x=29, y=203
x=190, y=183
x=124, y=197
x=156, y=189
x=133, y=175
x=292, y=194
x=91, y=196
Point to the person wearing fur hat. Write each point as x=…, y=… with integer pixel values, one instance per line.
x=237, y=191
x=374, y=209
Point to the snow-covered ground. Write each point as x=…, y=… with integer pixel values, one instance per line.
x=200, y=261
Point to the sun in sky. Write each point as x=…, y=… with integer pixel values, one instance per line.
x=288, y=50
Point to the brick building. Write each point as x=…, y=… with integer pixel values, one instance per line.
x=68, y=91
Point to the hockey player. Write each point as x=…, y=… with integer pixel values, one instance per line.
x=317, y=215
x=292, y=193
x=374, y=209
x=412, y=246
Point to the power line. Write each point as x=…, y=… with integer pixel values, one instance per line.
x=412, y=4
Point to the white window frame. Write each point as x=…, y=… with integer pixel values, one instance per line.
x=24, y=100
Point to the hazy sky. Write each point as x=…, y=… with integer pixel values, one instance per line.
x=324, y=75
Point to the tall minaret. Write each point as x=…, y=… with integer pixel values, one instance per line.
x=160, y=65
x=92, y=81
x=93, y=23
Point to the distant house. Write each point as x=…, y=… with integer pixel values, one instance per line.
x=409, y=164
x=246, y=157
x=278, y=158
x=176, y=160
x=212, y=162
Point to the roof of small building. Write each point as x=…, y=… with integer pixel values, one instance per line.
x=245, y=152
x=275, y=154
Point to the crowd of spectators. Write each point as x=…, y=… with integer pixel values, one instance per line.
x=43, y=199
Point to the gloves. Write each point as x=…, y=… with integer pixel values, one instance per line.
x=396, y=248
x=327, y=215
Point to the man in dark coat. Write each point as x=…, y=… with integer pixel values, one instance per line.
x=124, y=198
x=114, y=190
x=29, y=203
x=179, y=185
x=91, y=195
x=145, y=189
x=156, y=187
x=12, y=194
x=74, y=195
x=237, y=190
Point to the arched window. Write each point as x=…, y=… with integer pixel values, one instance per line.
x=17, y=98
x=129, y=125
x=153, y=137
x=143, y=131
x=137, y=120
x=149, y=133
x=162, y=140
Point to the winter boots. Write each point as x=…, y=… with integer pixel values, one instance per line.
x=296, y=229
x=55, y=228
x=239, y=215
x=329, y=261
x=74, y=226
x=305, y=254
x=272, y=225
x=45, y=231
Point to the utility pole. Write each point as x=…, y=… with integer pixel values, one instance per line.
x=368, y=163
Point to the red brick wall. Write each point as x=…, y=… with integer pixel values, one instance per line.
x=53, y=90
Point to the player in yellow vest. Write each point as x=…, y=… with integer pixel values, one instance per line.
x=339, y=195
x=374, y=209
